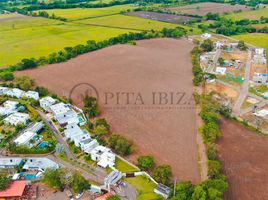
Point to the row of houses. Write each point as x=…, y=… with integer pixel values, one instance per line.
x=18, y=93
x=259, y=56
x=68, y=119
x=27, y=136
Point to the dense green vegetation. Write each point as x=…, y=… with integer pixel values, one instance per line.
x=4, y=182
x=120, y=144
x=145, y=162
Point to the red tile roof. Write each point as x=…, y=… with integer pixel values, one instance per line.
x=105, y=196
x=15, y=189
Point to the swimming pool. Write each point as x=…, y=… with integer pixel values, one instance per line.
x=81, y=119
x=30, y=176
x=42, y=145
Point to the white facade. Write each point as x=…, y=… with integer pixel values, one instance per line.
x=70, y=117
x=46, y=102
x=38, y=163
x=15, y=92
x=104, y=156
x=59, y=109
x=3, y=90
x=259, y=51
x=8, y=107
x=206, y=35
x=32, y=95
x=221, y=70
x=25, y=138
x=11, y=162
x=17, y=118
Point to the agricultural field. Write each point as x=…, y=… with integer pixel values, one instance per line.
x=243, y=155
x=202, y=9
x=258, y=39
x=127, y=22
x=176, y=19
x=163, y=65
x=86, y=13
x=249, y=14
x=43, y=36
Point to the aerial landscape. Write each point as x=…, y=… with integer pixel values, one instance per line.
x=130, y=99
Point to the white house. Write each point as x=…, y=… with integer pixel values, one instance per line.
x=206, y=35
x=219, y=44
x=10, y=162
x=25, y=138
x=39, y=163
x=3, y=90
x=261, y=113
x=8, y=108
x=221, y=70
x=46, y=102
x=260, y=78
x=104, y=156
x=87, y=148
x=32, y=95
x=69, y=117
x=259, y=51
x=35, y=127
x=59, y=109
x=17, y=118
x=259, y=59
x=162, y=190
x=71, y=130
x=15, y=92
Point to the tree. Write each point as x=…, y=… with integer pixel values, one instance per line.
x=4, y=182
x=146, y=162
x=27, y=64
x=120, y=144
x=6, y=76
x=214, y=168
x=113, y=197
x=42, y=91
x=241, y=45
x=78, y=183
x=207, y=45
x=162, y=174
x=102, y=127
x=221, y=61
x=91, y=107
x=24, y=82
x=55, y=178
x=199, y=193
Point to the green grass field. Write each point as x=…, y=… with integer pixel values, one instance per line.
x=83, y=13
x=258, y=39
x=124, y=166
x=145, y=187
x=27, y=37
x=250, y=14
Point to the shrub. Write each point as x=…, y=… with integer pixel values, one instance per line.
x=120, y=144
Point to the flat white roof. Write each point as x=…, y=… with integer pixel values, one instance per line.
x=59, y=108
x=24, y=137
x=10, y=161
x=41, y=163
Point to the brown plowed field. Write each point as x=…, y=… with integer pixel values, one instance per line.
x=164, y=130
x=243, y=155
x=202, y=9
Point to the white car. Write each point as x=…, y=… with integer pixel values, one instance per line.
x=78, y=196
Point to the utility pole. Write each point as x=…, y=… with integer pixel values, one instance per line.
x=175, y=182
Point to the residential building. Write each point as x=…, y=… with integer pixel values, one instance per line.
x=46, y=102
x=221, y=70
x=10, y=162
x=35, y=127
x=69, y=117
x=38, y=163
x=3, y=90
x=15, y=191
x=32, y=95
x=259, y=51
x=259, y=59
x=25, y=138
x=104, y=156
x=59, y=109
x=87, y=148
x=162, y=190
x=260, y=78
x=8, y=108
x=206, y=35
x=15, y=92
x=112, y=179
x=17, y=118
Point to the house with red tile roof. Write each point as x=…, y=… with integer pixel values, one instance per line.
x=15, y=190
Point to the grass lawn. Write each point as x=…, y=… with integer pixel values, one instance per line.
x=258, y=39
x=250, y=14
x=63, y=157
x=82, y=13
x=123, y=166
x=145, y=188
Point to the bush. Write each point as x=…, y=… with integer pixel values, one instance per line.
x=91, y=107
x=146, y=162
x=120, y=144
x=162, y=174
x=4, y=182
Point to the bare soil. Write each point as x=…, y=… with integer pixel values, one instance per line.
x=243, y=154
x=257, y=68
x=202, y=9
x=166, y=129
x=176, y=19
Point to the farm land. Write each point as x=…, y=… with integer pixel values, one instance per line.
x=149, y=127
x=249, y=14
x=43, y=36
x=202, y=9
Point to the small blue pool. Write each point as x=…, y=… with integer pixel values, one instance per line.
x=81, y=119
x=42, y=145
x=30, y=176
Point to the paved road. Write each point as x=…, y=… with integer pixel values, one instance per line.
x=244, y=92
x=214, y=63
x=127, y=192
x=57, y=134
x=229, y=85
